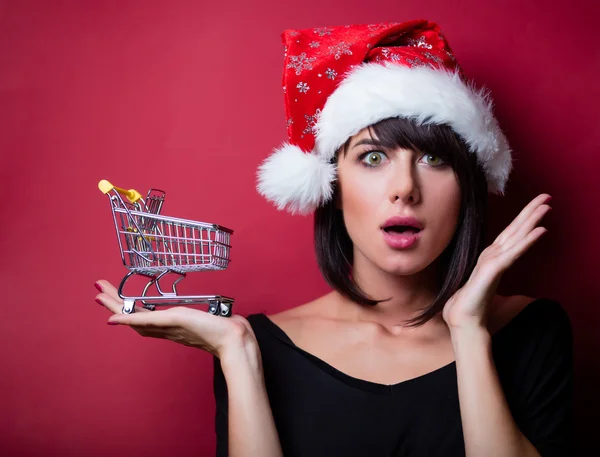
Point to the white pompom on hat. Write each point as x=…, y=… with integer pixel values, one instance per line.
x=339, y=80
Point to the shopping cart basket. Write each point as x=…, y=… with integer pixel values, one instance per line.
x=154, y=246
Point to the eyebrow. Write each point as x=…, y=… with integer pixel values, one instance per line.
x=368, y=141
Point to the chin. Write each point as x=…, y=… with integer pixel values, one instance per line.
x=403, y=267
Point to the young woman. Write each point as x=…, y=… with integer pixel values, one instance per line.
x=412, y=353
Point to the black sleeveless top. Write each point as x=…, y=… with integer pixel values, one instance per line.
x=320, y=411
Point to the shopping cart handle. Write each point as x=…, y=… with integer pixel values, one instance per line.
x=131, y=194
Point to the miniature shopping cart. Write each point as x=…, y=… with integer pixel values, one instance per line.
x=155, y=246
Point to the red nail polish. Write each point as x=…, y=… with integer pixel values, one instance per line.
x=99, y=302
x=98, y=287
x=548, y=199
x=112, y=323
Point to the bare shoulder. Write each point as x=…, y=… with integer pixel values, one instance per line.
x=300, y=319
x=320, y=306
x=505, y=308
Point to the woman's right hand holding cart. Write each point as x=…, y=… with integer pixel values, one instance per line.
x=187, y=326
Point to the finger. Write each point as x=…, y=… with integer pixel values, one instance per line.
x=109, y=297
x=521, y=218
x=527, y=227
x=115, y=304
x=107, y=288
x=153, y=319
x=522, y=246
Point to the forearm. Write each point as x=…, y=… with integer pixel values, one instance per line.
x=488, y=426
x=252, y=429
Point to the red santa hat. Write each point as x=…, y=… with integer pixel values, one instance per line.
x=339, y=80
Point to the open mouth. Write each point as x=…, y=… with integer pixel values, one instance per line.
x=405, y=229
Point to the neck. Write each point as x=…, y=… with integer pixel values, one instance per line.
x=408, y=294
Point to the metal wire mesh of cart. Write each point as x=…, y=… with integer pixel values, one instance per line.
x=174, y=244
x=151, y=243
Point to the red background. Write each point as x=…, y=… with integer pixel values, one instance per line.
x=186, y=96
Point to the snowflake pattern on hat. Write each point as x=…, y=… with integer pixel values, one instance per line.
x=416, y=43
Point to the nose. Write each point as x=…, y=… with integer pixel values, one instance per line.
x=404, y=182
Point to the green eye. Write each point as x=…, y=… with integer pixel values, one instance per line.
x=373, y=158
x=436, y=160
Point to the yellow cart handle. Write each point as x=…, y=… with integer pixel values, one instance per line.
x=131, y=194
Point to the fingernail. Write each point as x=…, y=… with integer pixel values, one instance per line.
x=548, y=199
x=98, y=287
x=112, y=323
x=99, y=302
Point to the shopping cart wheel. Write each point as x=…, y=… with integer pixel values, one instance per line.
x=213, y=308
x=128, y=306
x=225, y=309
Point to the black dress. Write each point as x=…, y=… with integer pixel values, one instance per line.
x=321, y=412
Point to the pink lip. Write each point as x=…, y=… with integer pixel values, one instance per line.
x=399, y=220
x=400, y=240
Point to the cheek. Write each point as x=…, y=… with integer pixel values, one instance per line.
x=359, y=203
x=360, y=197
x=447, y=200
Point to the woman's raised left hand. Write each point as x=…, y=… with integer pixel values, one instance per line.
x=468, y=307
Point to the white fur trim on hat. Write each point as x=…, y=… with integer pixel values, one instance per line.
x=373, y=92
x=295, y=180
